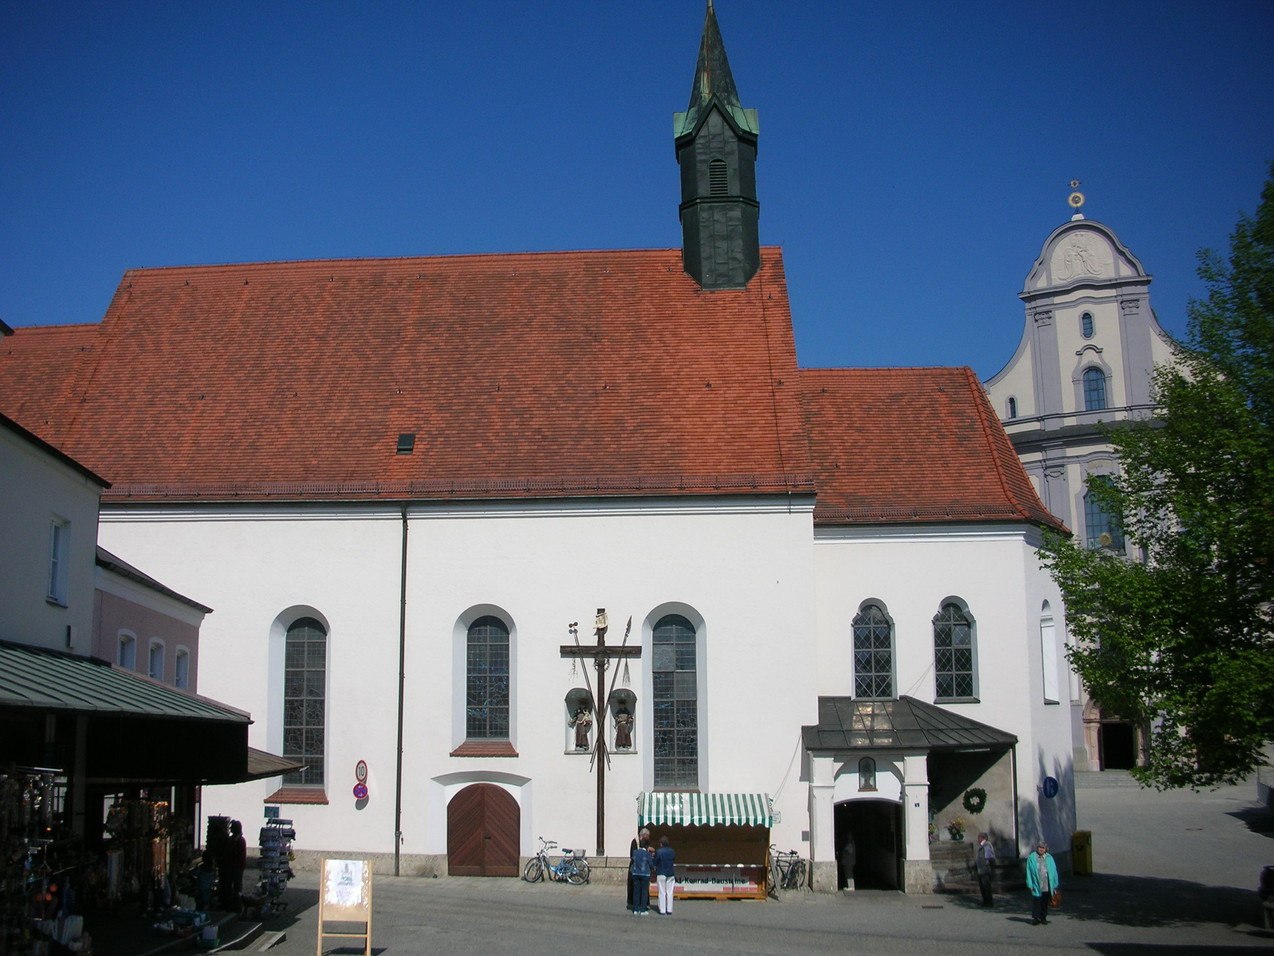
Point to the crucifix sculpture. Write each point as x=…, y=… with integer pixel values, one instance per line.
x=601, y=655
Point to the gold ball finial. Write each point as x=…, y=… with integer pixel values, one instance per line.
x=1076, y=198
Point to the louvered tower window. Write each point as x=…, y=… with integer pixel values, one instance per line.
x=718, y=178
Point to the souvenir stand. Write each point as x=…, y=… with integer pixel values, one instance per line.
x=39, y=860
x=720, y=840
x=275, y=866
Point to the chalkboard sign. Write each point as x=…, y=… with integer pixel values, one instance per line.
x=345, y=896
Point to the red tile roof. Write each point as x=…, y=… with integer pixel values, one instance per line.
x=529, y=375
x=899, y=445
x=577, y=373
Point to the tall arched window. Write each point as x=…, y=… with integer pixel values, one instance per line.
x=873, y=653
x=953, y=654
x=675, y=704
x=181, y=669
x=155, y=663
x=1086, y=325
x=1102, y=527
x=1012, y=407
x=1094, y=389
x=487, y=680
x=305, y=701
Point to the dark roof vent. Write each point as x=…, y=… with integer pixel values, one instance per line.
x=406, y=443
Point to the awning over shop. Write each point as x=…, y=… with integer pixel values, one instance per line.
x=704, y=809
x=51, y=680
x=125, y=728
x=845, y=723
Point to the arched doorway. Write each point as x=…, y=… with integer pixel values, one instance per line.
x=875, y=829
x=483, y=826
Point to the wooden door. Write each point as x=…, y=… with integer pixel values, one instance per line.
x=484, y=824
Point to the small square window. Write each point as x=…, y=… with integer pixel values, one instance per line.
x=406, y=443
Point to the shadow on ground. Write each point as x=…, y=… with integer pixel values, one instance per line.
x=1140, y=901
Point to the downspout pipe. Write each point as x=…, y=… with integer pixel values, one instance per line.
x=1017, y=837
x=402, y=679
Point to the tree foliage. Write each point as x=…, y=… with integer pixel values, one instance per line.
x=1179, y=635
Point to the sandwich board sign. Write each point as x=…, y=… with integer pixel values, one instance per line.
x=345, y=899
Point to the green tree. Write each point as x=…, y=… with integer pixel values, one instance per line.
x=1179, y=635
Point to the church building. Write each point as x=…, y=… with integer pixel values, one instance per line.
x=1088, y=351
x=560, y=544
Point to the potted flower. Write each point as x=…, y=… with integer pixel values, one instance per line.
x=956, y=829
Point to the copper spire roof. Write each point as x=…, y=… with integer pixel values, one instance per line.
x=713, y=81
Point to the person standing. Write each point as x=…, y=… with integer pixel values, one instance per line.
x=236, y=860
x=1041, y=880
x=642, y=834
x=639, y=866
x=983, y=857
x=665, y=875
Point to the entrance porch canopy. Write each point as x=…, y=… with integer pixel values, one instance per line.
x=657, y=808
x=846, y=723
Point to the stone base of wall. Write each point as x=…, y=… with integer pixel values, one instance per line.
x=823, y=877
x=917, y=876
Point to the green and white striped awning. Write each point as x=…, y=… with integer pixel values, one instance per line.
x=704, y=809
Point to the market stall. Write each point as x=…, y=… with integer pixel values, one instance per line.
x=720, y=840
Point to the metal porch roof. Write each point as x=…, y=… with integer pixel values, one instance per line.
x=43, y=679
x=845, y=723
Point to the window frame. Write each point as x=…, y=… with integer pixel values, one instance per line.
x=155, y=645
x=126, y=646
x=494, y=730
x=970, y=650
x=1095, y=388
x=1087, y=328
x=181, y=668
x=874, y=675
x=310, y=676
x=59, y=561
x=676, y=739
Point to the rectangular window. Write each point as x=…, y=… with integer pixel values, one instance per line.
x=59, y=549
x=1048, y=655
x=181, y=670
x=675, y=717
x=155, y=666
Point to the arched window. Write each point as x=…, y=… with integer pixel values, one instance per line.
x=867, y=774
x=873, y=653
x=155, y=663
x=1086, y=325
x=1012, y=407
x=1102, y=527
x=181, y=669
x=127, y=656
x=953, y=654
x=1094, y=389
x=1048, y=654
x=487, y=680
x=305, y=700
x=675, y=704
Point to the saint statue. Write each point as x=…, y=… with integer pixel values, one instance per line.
x=623, y=730
x=582, y=722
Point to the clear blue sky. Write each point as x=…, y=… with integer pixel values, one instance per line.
x=913, y=156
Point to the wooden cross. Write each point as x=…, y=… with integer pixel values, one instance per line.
x=601, y=654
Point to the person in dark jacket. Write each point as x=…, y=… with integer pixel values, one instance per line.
x=983, y=857
x=640, y=865
x=665, y=875
x=232, y=866
x=642, y=834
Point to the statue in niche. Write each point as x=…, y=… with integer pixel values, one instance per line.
x=623, y=730
x=582, y=721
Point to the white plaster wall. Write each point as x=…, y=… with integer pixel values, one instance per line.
x=743, y=569
x=35, y=488
x=995, y=571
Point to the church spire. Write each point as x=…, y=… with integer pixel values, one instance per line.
x=715, y=140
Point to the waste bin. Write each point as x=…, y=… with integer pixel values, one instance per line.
x=1082, y=853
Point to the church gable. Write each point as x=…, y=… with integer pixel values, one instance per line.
x=1082, y=254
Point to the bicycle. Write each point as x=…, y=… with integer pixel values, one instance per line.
x=570, y=869
x=787, y=869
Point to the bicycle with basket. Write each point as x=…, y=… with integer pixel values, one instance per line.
x=572, y=868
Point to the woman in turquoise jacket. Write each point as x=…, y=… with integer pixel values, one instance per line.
x=1041, y=880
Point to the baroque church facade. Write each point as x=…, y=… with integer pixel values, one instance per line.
x=509, y=546
x=1088, y=350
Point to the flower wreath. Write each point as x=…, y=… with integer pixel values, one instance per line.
x=974, y=799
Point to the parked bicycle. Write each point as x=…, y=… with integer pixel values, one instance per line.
x=787, y=869
x=569, y=869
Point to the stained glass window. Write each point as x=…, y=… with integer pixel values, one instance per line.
x=487, y=680
x=873, y=654
x=953, y=653
x=305, y=700
x=675, y=704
